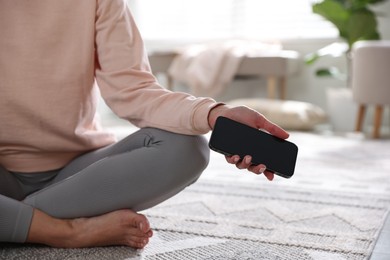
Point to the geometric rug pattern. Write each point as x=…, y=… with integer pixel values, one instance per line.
x=332, y=208
x=267, y=223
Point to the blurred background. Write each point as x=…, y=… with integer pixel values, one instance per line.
x=171, y=25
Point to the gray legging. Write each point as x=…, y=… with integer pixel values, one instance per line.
x=138, y=172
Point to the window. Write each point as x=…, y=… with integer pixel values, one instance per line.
x=211, y=19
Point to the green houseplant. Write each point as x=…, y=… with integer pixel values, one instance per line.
x=354, y=21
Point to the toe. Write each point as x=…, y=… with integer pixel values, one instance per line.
x=143, y=223
x=138, y=242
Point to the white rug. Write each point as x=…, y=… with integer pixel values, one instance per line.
x=332, y=208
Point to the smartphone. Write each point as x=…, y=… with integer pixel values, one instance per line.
x=230, y=137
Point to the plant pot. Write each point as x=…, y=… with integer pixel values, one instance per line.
x=342, y=110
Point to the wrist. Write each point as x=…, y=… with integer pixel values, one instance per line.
x=215, y=112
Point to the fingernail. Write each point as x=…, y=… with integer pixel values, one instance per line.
x=248, y=160
x=141, y=225
x=262, y=169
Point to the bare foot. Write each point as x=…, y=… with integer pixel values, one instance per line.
x=122, y=227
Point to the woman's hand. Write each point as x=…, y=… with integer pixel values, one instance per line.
x=254, y=119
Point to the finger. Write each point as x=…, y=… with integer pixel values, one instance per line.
x=272, y=128
x=269, y=175
x=275, y=130
x=232, y=159
x=257, y=169
x=245, y=163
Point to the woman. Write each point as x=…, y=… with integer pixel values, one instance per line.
x=64, y=181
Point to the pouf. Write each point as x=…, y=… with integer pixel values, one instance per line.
x=289, y=114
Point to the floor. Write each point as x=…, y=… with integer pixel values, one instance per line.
x=382, y=247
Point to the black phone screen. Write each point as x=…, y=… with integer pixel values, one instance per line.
x=233, y=138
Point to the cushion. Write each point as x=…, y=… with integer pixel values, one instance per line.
x=292, y=115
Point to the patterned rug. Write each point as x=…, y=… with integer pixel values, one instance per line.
x=332, y=208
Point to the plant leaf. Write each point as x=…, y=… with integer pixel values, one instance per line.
x=362, y=25
x=332, y=72
x=311, y=58
x=334, y=12
x=357, y=4
x=335, y=49
x=352, y=18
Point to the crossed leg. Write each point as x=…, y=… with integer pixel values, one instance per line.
x=101, y=191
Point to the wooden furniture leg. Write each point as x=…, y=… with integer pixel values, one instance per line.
x=271, y=85
x=378, y=120
x=282, y=88
x=360, y=118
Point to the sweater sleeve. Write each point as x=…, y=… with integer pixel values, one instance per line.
x=127, y=84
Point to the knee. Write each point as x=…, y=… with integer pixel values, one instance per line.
x=192, y=152
x=196, y=152
x=189, y=153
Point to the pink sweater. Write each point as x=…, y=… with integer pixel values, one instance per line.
x=55, y=57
